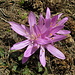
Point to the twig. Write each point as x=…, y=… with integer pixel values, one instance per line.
x=3, y=19
x=3, y=66
x=3, y=13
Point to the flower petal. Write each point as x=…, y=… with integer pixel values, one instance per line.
x=59, y=15
x=26, y=28
x=27, y=31
x=56, y=29
x=41, y=21
x=31, y=19
x=32, y=32
x=30, y=50
x=62, y=21
x=20, y=45
x=42, y=57
x=57, y=38
x=24, y=59
x=42, y=41
x=48, y=13
x=37, y=30
x=64, y=32
x=43, y=29
x=52, y=31
x=47, y=23
x=55, y=52
x=17, y=28
x=53, y=21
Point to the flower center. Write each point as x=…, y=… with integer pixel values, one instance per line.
x=33, y=37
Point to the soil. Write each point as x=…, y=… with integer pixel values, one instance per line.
x=16, y=10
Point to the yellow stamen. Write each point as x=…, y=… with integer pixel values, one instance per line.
x=52, y=38
x=50, y=25
x=50, y=34
x=32, y=37
x=39, y=35
x=26, y=32
x=56, y=24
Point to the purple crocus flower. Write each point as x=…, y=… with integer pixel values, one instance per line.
x=41, y=35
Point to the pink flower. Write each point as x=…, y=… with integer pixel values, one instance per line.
x=41, y=35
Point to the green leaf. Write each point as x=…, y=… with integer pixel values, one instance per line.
x=46, y=71
x=24, y=16
x=21, y=2
x=20, y=57
x=12, y=50
x=39, y=67
x=8, y=30
x=26, y=71
x=14, y=68
x=1, y=52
